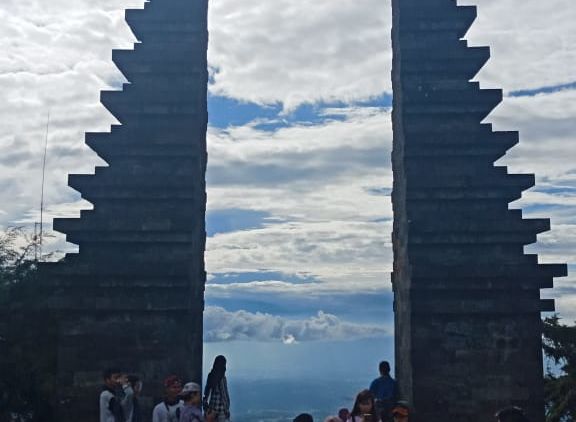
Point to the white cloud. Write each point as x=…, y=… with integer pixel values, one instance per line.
x=320, y=172
x=56, y=58
x=222, y=325
x=315, y=181
x=289, y=339
x=344, y=255
x=547, y=123
x=57, y=55
x=558, y=245
x=298, y=51
x=533, y=44
x=566, y=305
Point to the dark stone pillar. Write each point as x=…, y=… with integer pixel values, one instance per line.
x=467, y=297
x=133, y=296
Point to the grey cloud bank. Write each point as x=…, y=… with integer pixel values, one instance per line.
x=222, y=325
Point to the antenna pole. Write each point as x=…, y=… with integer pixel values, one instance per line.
x=36, y=224
x=43, y=179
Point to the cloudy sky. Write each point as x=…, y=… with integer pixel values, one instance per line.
x=299, y=178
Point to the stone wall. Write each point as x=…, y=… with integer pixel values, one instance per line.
x=467, y=297
x=133, y=296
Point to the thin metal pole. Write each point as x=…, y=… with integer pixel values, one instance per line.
x=36, y=224
x=43, y=179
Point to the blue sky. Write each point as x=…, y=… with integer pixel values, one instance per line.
x=299, y=213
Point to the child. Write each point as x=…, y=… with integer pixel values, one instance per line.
x=192, y=411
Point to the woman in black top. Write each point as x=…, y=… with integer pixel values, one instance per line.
x=216, y=398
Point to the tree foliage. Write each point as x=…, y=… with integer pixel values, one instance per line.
x=27, y=338
x=560, y=389
x=17, y=261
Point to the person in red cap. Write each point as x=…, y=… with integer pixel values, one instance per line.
x=400, y=413
x=170, y=408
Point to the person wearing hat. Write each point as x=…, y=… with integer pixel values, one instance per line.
x=400, y=413
x=170, y=408
x=192, y=411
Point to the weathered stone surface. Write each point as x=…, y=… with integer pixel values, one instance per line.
x=467, y=297
x=133, y=296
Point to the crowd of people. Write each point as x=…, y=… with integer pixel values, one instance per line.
x=379, y=403
x=183, y=402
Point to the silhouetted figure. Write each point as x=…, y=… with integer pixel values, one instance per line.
x=385, y=392
x=511, y=414
x=304, y=417
x=364, y=409
x=170, y=409
x=132, y=408
x=216, y=398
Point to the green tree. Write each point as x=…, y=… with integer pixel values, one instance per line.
x=560, y=389
x=17, y=261
x=27, y=337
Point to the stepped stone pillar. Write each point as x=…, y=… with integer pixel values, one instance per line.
x=467, y=297
x=133, y=296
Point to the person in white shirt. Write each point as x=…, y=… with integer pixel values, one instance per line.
x=171, y=407
x=115, y=396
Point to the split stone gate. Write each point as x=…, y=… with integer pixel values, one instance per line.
x=467, y=298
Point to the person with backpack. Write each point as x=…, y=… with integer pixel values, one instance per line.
x=170, y=409
x=114, y=396
x=216, y=398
